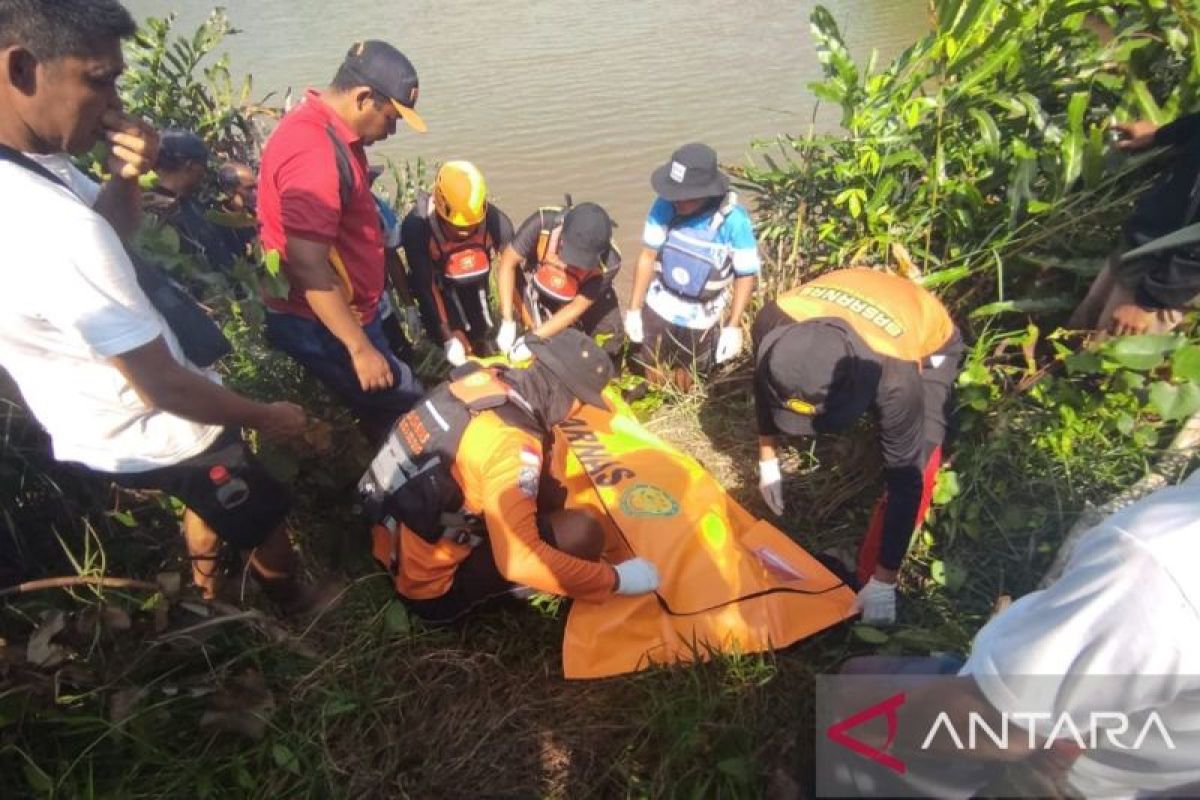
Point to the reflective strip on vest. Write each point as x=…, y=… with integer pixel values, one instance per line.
x=893, y=315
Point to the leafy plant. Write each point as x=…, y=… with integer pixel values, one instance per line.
x=986, y=139
x=168, y=83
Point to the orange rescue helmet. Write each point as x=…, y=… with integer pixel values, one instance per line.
x=460, y=194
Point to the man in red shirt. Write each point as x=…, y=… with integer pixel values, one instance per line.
x=316, y=211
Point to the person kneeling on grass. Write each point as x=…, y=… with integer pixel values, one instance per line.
x=851, y=340
x=458, y=489
x=698, y=242
x=558, y=273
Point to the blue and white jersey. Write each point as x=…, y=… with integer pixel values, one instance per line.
x=736, y=232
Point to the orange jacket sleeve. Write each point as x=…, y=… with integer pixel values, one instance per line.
x=500, y=466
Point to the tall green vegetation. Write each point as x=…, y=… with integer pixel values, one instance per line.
x=979, y=162
x=983, y=142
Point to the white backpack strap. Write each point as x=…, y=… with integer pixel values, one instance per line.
x=728, y=204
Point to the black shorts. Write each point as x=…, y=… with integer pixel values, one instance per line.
x=244, y=524
x=667, y=345
x=477, y=583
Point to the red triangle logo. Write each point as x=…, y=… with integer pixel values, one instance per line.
x=837, y=732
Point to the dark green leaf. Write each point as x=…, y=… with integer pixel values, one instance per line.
x=869, y=634
x=1185, y=363
x=285, y=759
x=1142, y=352
x=1174, y=402
x=395, y=619
x=1085, y=362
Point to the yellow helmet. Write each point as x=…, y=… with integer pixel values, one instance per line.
x=459, y=194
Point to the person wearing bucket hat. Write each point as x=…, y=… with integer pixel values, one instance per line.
x=827, y=352
x=699, y=257
x=319, y=221
x=558, y=273
x=470, y=519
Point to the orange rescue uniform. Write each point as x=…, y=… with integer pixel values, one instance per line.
x=489, y=467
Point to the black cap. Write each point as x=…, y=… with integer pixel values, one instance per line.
x=813, y=377
x=575, y=359
x=691, y=174
x=586, y=236
x=178, y=147
x=388, y=71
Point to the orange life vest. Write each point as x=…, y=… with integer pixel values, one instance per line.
x=409, y=479
x=461, y=261
x=893, y=315
x=557, y=283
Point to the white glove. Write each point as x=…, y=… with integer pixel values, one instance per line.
x=729, y=345
x=633, y=325
x=412, y=321
x=519, y=351
x=877, y=602
x=456, y=354
x=507, y=336
x=636, y=576
x=770, y=484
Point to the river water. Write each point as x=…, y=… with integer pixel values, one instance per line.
x=554, y=96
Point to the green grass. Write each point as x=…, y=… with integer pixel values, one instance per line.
x=365, y=702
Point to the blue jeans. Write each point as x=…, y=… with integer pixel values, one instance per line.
x=327, y=359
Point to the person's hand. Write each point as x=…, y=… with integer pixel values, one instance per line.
x=456, y=353
x=507, y=336
x=633, y=326
x=1130, y=318
x=412, y=322
x=770, y=484
x=372, y=368
x=133, y=145
x=877, y=602
x=1135, y=135
x=519, y=351
x=636, y=576
x=729, y=344
x=282, y=420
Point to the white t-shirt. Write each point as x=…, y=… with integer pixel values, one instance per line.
x=71, y=301
x=1128, y=604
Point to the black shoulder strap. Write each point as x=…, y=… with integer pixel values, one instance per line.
x=345, y=167
x=14, y=156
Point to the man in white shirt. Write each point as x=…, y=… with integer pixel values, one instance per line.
x=1096, y=678
x=96, y=363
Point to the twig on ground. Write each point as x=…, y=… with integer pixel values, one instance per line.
x=78, y=580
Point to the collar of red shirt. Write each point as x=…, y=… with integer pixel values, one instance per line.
x=320, y=107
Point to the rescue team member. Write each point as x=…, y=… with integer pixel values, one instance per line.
x=95, y=362
x=568, y=262
x=462, y=474
x=450, y=237
x=316, y=210
x=1149, y=294
x=698, y=242
x=829, y=350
